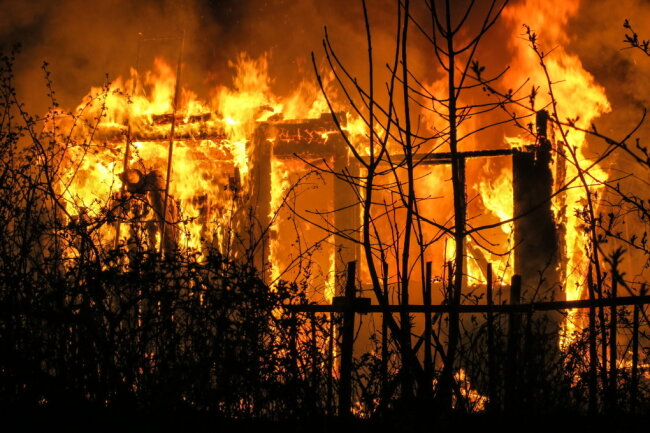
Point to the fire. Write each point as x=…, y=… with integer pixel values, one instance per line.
x=496, y=194
x=578, y=97
x=210, y=180
x=280, y=189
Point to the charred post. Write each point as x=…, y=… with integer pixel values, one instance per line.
x=593, y=347
x=634, y=392
x=493, y=404
x=330, y=366
x=512, y=373
x=613, y=369
x=347, y=343
x=347, y=220
x=384, y=343
x=260, y=196
x=537, y=253
x=428, y=360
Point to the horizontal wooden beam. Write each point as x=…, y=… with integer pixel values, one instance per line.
x=505, y=308
x=444, y=158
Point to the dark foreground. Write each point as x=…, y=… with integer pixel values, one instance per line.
x=109, y=421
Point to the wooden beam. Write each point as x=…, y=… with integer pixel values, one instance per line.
x=464, y=309
x=512, y=373
x=260, y=155
x=347, y=344
x=346, y=208
x=536, y=240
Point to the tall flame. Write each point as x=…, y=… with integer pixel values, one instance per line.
x=578, y=97
x=210, y=164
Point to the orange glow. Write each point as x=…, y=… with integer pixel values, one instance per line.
x=578, y=97
x=211, y=182
x=210, y=166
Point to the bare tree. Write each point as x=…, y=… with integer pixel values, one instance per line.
x=395, y=144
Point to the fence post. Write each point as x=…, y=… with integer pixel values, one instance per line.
x=428, y=364
x=492, y=379
x=330, y=367
x=593, y=350
x=384, y=343
x=635, y=359
x=613, y=374
x=512, y=361
x=347, y=344
x=293, y=344
x=314, y=351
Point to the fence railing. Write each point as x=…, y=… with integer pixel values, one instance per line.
x=350, y=305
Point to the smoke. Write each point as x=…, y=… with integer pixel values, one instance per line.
x=290, y=30
x=597, y=37
x=83, y=41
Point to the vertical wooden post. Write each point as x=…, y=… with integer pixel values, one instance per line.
x=593, y=351
x=384, y=342
x=492, y=379
x=613, y=374
x=428, y=364
x=635, y=359
x=314, y=351
x=347, y=344
x=604, y=373
x=461, y=262
x=164, y=243
x=445, y=384
x=536, y=238
x=512, y=361
x=293, y=344
x=330, y=368
x=261, y=155
x=346, y=206
x=537, y=257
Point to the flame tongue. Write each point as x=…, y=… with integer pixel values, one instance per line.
x=211, y=167
x=210, y=150
x=578, y=97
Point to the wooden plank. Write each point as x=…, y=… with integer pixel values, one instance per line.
x=512, y=366
x=347, y=345
x=385, y=397
x=346, y=215
x=428, y=360
x=493, y=404
x=635, y=360
x=261, y=154
x=521, y=308
x=444, y=158
x=166, y=119
x=593, y=347
x=613, y=372
x=536, y=242
x=330, y=367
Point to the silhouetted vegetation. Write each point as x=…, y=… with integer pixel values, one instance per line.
x=84, y=324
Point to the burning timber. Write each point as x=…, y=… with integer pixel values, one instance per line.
x=536, y=239
x=274, y=139
x=537, y=252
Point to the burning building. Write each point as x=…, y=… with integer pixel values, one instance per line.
x=301, y=172
x=273, y=179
